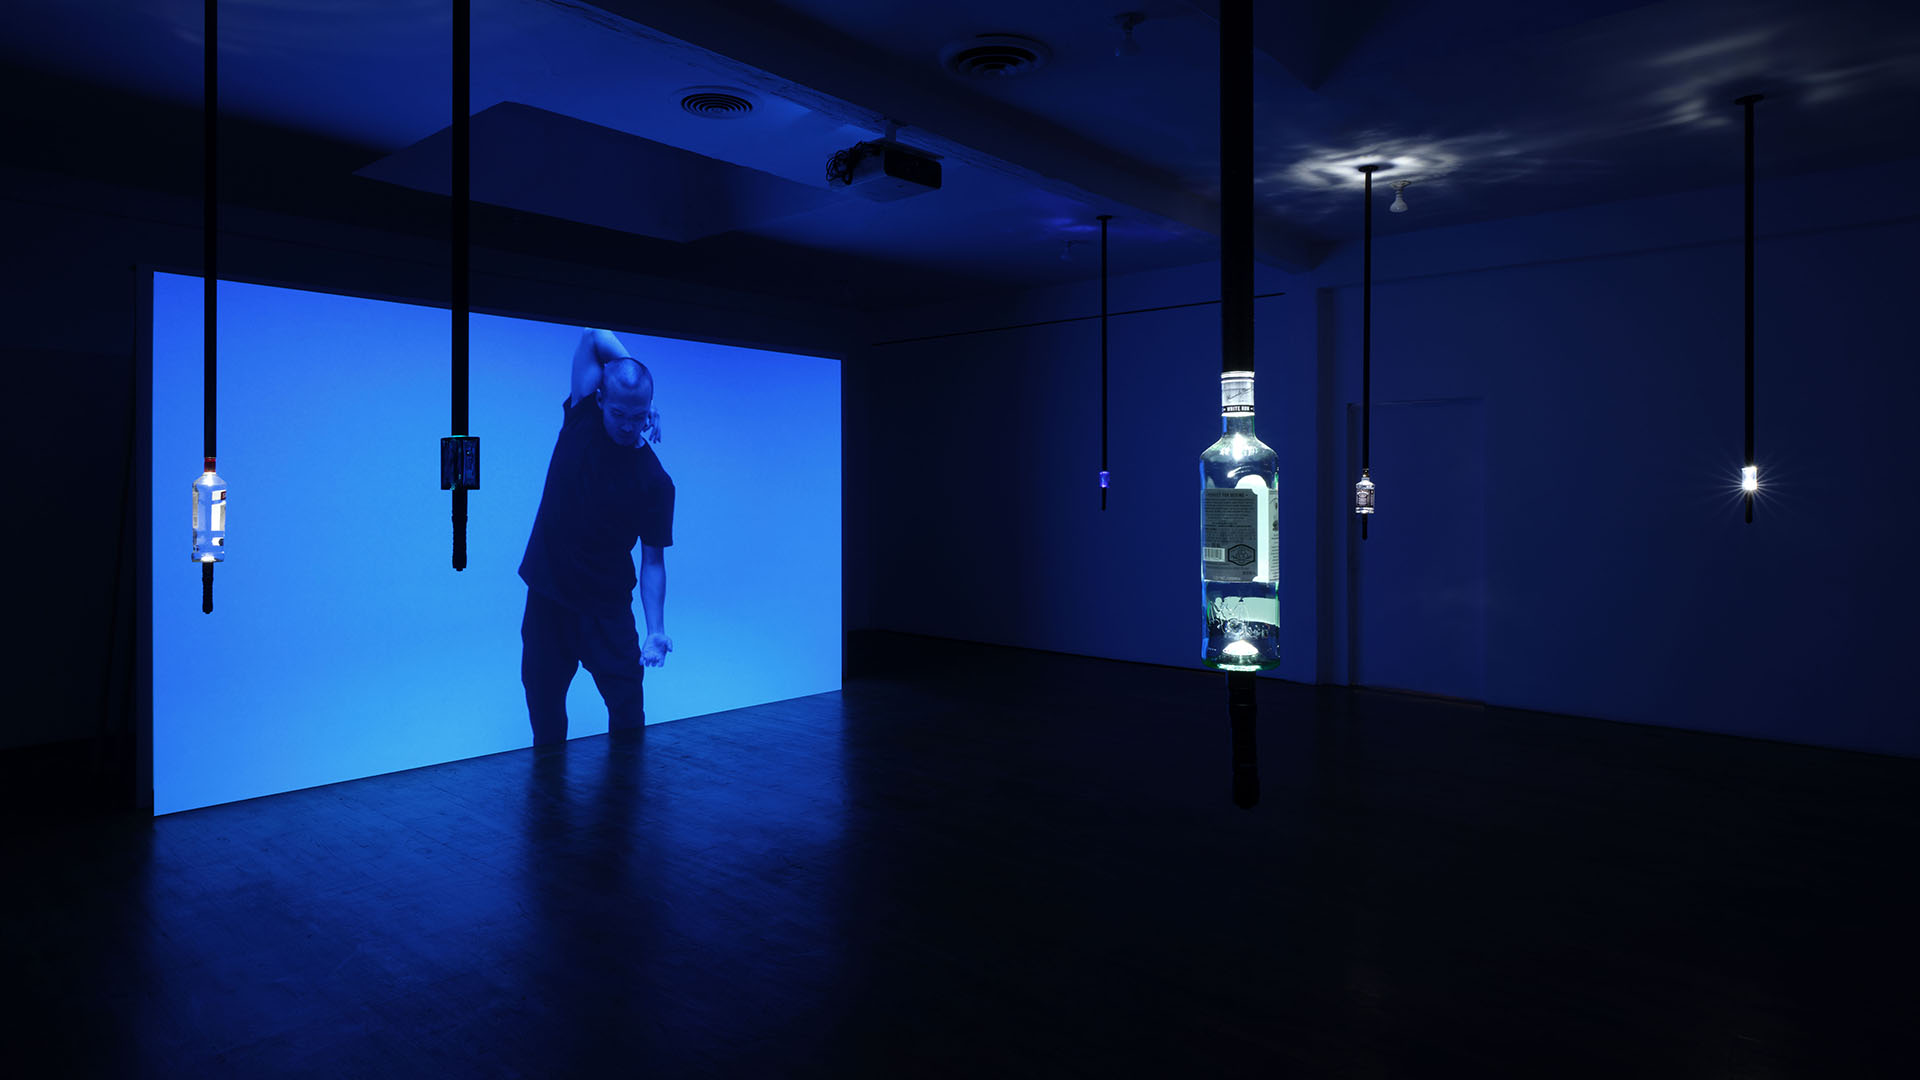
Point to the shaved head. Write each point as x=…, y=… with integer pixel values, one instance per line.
x=627, y=379
x=626, y=400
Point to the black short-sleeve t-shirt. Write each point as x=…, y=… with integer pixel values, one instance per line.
x=600, y=498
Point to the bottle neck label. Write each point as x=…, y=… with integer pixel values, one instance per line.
x=1236, y=393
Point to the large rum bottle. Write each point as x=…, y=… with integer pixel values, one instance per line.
x=1240, y=538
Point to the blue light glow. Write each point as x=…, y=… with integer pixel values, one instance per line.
x=344, y=645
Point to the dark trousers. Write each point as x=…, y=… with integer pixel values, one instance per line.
x=554, y=641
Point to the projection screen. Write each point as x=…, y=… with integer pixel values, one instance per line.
x=342, y=644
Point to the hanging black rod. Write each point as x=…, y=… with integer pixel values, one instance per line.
x=209, y=257
x=1366, y=332
x=1236, y=186
x=1104, y=218
x=461, y=225
x=1748, y=103
x=462, y=200
x=210, y=245
x=1366, y=339
x=1236, y=310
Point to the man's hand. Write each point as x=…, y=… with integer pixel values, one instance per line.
x=654, y=652
x=652, y=431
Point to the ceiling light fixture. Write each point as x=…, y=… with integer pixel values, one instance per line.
x=1128, y=48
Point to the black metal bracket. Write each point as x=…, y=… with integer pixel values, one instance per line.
x=460, y=463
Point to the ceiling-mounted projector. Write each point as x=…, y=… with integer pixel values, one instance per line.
x=883, y=170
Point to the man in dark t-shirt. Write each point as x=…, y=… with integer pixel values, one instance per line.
x=605, y=491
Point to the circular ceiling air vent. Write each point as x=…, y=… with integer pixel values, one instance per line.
x=995, y=56
x=716, y=102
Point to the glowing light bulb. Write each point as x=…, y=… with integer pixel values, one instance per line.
x=1750, y=479
x=1239, y=649
x=1363, y=494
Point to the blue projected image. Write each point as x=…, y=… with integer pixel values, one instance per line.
x=342, y=643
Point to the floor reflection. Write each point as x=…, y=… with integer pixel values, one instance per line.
x=1000, y=864
x=695, y=898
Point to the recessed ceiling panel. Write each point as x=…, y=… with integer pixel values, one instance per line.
x=546, y=163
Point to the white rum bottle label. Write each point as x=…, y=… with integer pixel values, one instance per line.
x=1232, y=547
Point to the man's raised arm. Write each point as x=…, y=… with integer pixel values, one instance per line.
x=596, y=349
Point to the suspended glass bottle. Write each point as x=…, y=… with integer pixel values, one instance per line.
x=209, y=517
x=1363, y=493
x=1240, y=538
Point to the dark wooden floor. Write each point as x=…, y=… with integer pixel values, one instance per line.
x=987, y=862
